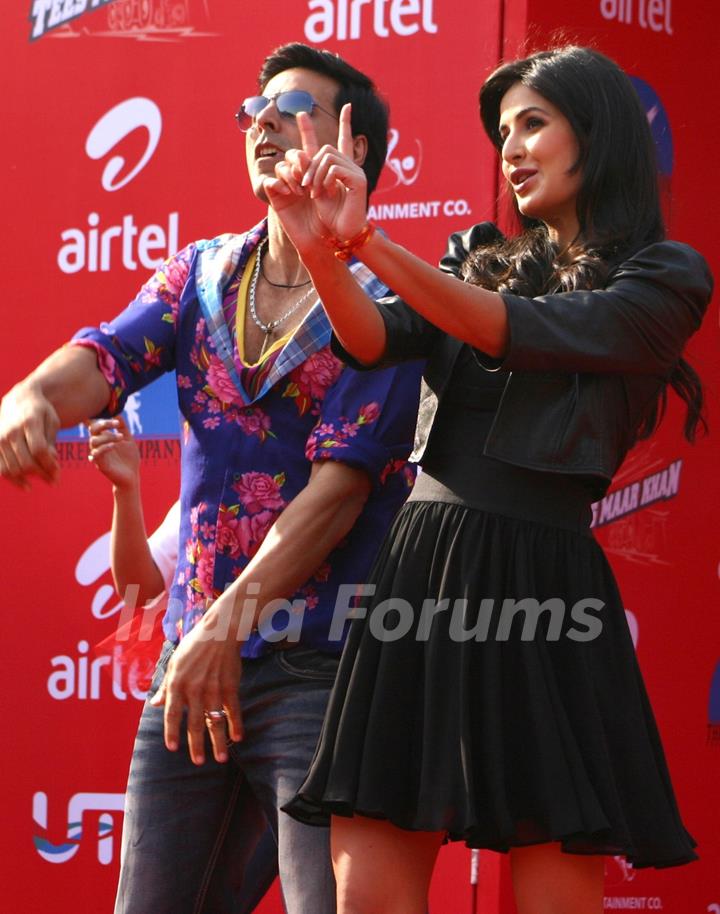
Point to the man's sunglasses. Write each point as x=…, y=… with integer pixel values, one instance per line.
x=288, y=104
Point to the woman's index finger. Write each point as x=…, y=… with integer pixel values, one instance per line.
x=345, y=137
x=308, y=137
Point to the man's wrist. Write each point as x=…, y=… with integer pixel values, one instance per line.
x=46, y=380
x=31, y=386
x=232, y=617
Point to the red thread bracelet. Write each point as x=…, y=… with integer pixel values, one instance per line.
x=344, y=250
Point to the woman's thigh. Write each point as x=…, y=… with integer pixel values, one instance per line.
x=547, y=881
x=380, y=867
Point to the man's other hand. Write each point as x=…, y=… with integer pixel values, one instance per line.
x=28, y=426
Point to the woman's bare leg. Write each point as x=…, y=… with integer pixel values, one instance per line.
x=379, y=868
x=547, y=881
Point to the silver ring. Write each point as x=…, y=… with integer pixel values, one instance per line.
x=212, y=716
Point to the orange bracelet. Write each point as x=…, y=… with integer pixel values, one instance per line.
x=344, y=250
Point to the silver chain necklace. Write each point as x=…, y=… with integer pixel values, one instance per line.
x=268, y=328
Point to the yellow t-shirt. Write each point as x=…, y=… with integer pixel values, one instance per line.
x=242, y=297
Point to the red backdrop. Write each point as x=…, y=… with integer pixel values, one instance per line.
x=119, y=147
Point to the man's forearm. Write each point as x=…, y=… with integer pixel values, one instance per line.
x=73, y=384
x=295, y=547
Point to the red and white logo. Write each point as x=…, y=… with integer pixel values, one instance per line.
x=401, y=165
x=104, y=247
x=114, y=126
x=354, y=19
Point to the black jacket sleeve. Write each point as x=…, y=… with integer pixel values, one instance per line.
x=638, y=324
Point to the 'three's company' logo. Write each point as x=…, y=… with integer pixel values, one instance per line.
x=80, y=804
x=343, y=19
x=98, y=249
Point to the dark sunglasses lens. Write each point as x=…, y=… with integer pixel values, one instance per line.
x=249, y=109
x=289, y=104
x=293, y=102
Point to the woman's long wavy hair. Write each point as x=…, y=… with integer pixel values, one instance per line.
x=618, y=203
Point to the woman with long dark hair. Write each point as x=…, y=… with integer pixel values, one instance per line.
x=491, y=693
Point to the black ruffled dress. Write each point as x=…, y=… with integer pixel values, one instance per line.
x=498, y=698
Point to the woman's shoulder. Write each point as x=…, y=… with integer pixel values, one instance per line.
x=670, y=263
x=461, y=243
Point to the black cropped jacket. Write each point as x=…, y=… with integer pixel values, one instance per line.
x=585, y=367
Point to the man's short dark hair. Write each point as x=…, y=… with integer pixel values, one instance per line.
x=369, y=112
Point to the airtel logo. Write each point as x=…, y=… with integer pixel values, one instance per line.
x=98, y=247
x=113, y=127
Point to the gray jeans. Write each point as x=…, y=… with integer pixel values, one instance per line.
x=190, y=832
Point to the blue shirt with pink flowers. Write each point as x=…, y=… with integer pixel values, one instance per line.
x=251, y=433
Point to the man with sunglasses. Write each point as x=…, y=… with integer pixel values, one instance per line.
x=292, y=469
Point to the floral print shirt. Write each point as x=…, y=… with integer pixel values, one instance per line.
x=251, y=433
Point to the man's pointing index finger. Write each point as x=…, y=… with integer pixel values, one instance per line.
x=345, y=137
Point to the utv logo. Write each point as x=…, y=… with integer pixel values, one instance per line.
x=100, y=808
x=146, y=20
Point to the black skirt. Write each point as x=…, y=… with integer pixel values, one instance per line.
x=498, y=699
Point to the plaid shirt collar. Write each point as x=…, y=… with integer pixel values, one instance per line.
x=217, y=262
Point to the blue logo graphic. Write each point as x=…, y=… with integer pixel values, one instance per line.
x=659, y=124
x=104, y=804
x=61, y=853
x=149, y=413
x=714, y=702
